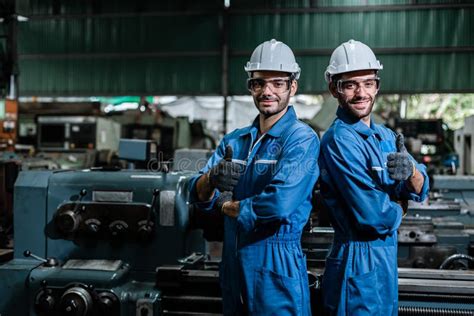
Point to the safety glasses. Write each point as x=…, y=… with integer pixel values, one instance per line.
x=350, y=86
x=276, y=85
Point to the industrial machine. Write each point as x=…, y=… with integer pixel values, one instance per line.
x=8, y=174
x=126, y=242
x=170, y=133
x=464, y=145
x=88, y=242
x=76, y=133
x=76, y=142
x=433, y=279
x=455, y=188
x=430, y=141
x=8, y=123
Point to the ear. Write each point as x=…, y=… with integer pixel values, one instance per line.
x=333, y=89
x=293, y=87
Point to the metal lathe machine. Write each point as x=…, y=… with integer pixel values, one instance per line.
x=126, y=242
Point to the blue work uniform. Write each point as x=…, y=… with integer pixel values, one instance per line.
x=263, y=269
x=361, y=276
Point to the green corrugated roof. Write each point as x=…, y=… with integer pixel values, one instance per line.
x=121, y=48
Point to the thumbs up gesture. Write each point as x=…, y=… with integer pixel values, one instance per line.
x=226, y=174
x=400, y=166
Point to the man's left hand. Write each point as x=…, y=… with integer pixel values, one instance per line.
x=400, y=166
x=226, y=205
x=224, y=197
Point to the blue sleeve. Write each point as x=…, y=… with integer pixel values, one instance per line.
x=370, y=206
x=215, y=158
x=295, y=175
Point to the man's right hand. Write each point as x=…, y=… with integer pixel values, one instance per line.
x=400, y=167
x=226, y=174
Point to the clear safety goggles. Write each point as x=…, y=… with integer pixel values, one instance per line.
x=276, y=85
x=350, y=86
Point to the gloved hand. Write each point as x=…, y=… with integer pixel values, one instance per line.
x=225, y=196
x=400, y=166
x=225, y=175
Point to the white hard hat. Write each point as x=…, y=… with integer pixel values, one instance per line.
x=351, y=56
x=273, y=56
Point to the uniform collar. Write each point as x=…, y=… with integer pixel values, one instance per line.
x=277, y=128
x=357, y=124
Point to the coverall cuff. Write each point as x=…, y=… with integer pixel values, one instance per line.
x=247, y=216
x=424, y=190
x=398, y=218
x=193, y=199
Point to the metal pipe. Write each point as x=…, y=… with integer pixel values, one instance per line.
x=224, y=21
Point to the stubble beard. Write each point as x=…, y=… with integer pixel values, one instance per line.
x=282, y=103
x=359, y=114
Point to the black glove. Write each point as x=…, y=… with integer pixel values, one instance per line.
x=400, y=166
x=225, y=196
x=226, y=174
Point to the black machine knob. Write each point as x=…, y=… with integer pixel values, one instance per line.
x=118, y=228
x=93, y=226
x=145, y=229
x=108, y=303
x=68, y=222
x=145, y=232
x=76, y=301
x=44, y=303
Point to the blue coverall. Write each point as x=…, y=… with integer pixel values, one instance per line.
x=360, y=276
x=262, y=262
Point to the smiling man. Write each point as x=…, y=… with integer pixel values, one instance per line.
x=365, y=171
x=261, y=179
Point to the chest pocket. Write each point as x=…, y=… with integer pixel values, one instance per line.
x=265, y=166
x=263, y=171
x=265, y=162
x=379, y=164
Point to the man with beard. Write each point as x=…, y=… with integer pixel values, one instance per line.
x=365, y=170
x=261, y=179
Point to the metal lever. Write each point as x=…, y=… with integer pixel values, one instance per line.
x=145, y=229
x=28, y=253
x=69, y=221
x=50, y=262
x=82, y=193
x=156, y=192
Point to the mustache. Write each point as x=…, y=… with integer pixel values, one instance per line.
x=266, y=98
x=358, y=99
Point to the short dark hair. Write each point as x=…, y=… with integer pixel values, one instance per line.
x=336, y=78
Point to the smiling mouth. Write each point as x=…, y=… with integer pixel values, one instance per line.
x=360, y=105
x=360, y=102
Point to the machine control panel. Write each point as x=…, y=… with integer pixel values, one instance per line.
x=75, y=300
x=101, y=219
